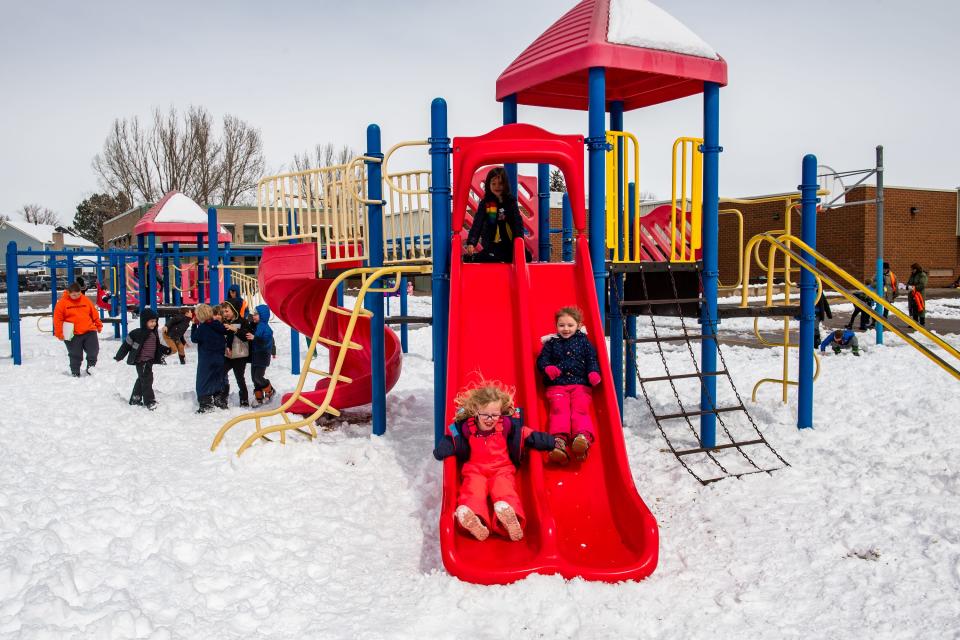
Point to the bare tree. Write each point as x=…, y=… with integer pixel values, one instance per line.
x=4, y=217
x=183, y=154
x=36, y=214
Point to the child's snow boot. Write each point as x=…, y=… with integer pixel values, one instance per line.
x=136, y=400
x=183, y=359
x=508, y=518
x=206, y=404
x=257, y=397
x=268, y=393
x=580, y=447
x=472, y=522
x=559, y=454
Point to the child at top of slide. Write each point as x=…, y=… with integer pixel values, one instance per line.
x=497, y=221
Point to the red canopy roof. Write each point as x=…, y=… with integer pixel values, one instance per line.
x=177, y=218
x=553, y=71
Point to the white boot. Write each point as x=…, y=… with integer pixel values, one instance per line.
x=508, y=518
x=472, y=522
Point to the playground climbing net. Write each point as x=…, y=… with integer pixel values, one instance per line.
x=703, y=459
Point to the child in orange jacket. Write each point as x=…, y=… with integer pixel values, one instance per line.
x=77, y=309
x=489, y=442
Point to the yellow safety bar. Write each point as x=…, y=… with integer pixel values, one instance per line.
x=626, y=154
x=689, y=200
x=739, y=216
x=407, y=223
x=779, y=243
x=249, y=287
x=369, y=276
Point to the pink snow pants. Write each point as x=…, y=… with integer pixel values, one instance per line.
x=569, y=406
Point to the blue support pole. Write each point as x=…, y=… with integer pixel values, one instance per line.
x=201, y=289
x=597, y=143
x=616, y=284
x=374, y=301
x=879, y=207
x=213, y=252
x=52, y=265
x=510, y=117
x=71, y=269
x=567, y=237
x=340, y=294
x=177, y=276
x=294, y=334
x=440, y=244
x=631, y=375
x=227, y=272
x=165, y=270
x=152, y=269
x=404, y=332
x=122, y=294
x=808, y=290
x=141, y=270
x=709, y=322
x=13, y=303
x=543, y=210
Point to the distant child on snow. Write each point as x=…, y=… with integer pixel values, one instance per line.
x=840, y=340
x=210, y=336
x=175, y=333
x=489, y=442
x=569, y=365
x=76, y=314
x=142, y=349
x=261, y=352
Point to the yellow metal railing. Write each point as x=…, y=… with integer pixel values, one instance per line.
x=739, y=216
x=407, y=216
x=249, y=287
x=686, y=199
x=784, y=244
x=369, y=276
x=625, y=155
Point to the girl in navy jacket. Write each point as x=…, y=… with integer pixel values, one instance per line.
x=210, y=336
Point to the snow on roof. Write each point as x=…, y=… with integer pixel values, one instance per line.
x=180, y=208
x=43, y=233
x=177, y=218
x=640, y=23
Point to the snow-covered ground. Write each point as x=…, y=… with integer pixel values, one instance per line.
x=116, y=522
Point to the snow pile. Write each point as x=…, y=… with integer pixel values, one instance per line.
x=640, y=23
x=118, y=522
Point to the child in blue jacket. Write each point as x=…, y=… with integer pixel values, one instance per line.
x=840, y=340
x=261, y=352
x=210, y=336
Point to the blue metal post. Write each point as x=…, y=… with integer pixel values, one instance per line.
x=404, y=332
x=567, y=237
x=227, y=271
x=213, y=259
x=440, y=244
x=122, y=294
x=880, y=287
x=177, y=276
x=374, y=301
x=52, y=264
x=201, y=292
x=631, y=374
x=340, y=294
x=616, y=284
x=543, y=210
x=597, y=143
x=13, y=303
x=294, y=334
x=709, y=323
x=152, y=269
x=808, y=290
x=165, y=270
x=141, y=270
x=510, y=117
x=71, y=269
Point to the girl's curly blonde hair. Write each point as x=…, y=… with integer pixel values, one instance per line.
x=470, y=400
x=203, y=312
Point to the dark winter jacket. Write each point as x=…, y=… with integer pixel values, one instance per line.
x=495, y=225
x=133, y=345
x=262, y=346
x=463, y=431
x=210, y=338
x=918, y=280
x=246, y=326
x=239, y=304
x=177, y=326
x=574, y=356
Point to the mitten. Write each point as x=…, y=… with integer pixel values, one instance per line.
x=552, y=372
x=594, y=378
x=856, y=351
x=445, y=449
x=836, y=350
x=540, y=440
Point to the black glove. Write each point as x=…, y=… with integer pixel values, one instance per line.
x=836, y=350
x=166, y=351
x=445, y=449
x=540, y=440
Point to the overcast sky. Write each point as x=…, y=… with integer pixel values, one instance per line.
x=834, y=78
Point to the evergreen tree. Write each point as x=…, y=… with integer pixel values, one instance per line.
x=94, y=211
x=557, y=183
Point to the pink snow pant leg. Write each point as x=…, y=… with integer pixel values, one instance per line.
x=479, y=490
x=569, y=406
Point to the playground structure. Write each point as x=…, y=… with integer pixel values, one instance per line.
x=363, y=222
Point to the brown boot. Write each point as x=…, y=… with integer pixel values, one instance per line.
x=268, y=393
x=508, y=518
x=559, y=454
x=580, y=447
x=472, y=522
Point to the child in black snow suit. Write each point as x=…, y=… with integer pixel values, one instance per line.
x=238, y=352
x=261, y=352
x=174, y=334
x=143, y=349
x=497, y=221
x=210, y=336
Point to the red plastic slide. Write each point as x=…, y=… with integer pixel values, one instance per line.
x=289, y=285
x=584, y=519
